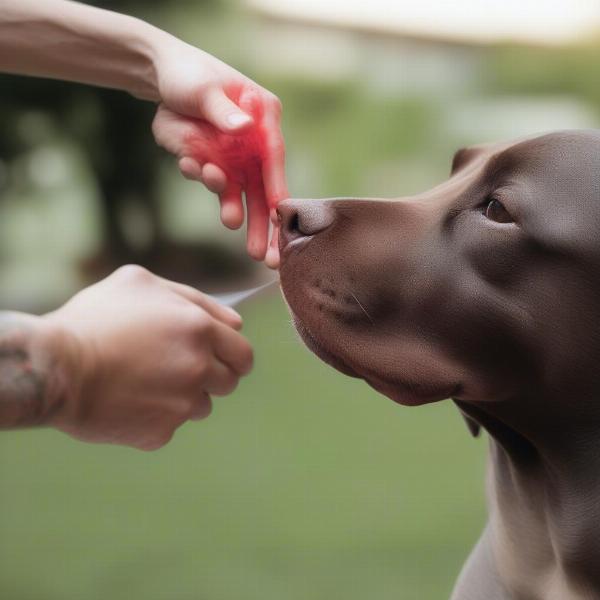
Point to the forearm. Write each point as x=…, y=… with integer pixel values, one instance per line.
x=66, y=40
x=34, y=359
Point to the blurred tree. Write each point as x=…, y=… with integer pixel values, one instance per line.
x=113, y=130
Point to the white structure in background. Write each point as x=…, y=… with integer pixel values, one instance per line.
x=514, y=116
x=481, y=21
x=386, y=62
x=430, y=49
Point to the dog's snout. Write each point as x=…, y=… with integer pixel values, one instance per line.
x=304, y=218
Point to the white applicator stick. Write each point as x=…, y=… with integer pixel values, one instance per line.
x=233, y=299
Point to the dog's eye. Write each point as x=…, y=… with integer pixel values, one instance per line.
x=495, y=211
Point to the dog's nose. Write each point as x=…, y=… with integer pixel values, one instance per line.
x=304, y=218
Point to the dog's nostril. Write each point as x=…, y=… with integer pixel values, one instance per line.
x=294, y=224
x=304, y=218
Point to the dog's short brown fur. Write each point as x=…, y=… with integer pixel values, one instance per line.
x=485, y=289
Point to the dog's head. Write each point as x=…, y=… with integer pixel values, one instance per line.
x=485, y=286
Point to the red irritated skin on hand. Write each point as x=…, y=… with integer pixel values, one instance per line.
x=253, y=162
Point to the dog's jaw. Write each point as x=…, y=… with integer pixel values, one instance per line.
x=326, y=356
x=397, y=387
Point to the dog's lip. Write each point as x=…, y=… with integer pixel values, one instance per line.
x=337, y=308
x=295, y=245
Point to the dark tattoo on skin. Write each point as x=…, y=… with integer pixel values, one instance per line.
x=22, y=385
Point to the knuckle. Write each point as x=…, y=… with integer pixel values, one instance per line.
x=196, y=321
x=202, y=322
x=134, y=273
x=198, y=370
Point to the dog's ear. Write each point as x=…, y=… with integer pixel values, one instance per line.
x=472, y=424
x=464, y=156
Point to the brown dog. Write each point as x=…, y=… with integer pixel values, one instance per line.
x=485, y=290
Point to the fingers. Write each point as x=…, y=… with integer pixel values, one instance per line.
x=171, y=130
x=214, y=178
x=190, y=169
x=273, y=159
x=232, y=208
x=220, y=379
x=258, y=218
x=229, y=346
x=223, y=113
x=263, y=190
x=210, y=175
x=232, y=349
x=212, y=307
x=272, y=257
x=201, y=408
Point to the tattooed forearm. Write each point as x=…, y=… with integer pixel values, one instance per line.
x=23, y=380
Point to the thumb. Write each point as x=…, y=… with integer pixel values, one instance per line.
x=223, y=113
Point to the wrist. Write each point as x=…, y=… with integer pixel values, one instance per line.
x=161, y=53
x=174, y=63
x=61, y=355
x=146, y=43
x=35, y=378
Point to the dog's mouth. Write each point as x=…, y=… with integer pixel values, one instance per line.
x=356, y=322
x=338, y=302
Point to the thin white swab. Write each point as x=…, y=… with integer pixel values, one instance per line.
x=233, y=299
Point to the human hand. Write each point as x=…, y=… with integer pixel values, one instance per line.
x=148, y=354
x=226, y=131
x=240, y=146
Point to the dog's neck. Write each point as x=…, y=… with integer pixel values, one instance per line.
x=543, y=491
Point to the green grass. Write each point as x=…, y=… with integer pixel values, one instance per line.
x=304, y=484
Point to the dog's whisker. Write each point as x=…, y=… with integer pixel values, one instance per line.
x=362, y=308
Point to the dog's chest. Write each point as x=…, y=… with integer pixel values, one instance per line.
x=526, y=553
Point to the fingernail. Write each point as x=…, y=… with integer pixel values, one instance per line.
x=237, y=119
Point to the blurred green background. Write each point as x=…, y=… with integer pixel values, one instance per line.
x=303, y=483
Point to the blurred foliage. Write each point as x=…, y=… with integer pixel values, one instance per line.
x=344, y=113
x=112, y=130
x=346, y=129
x=542, y=71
